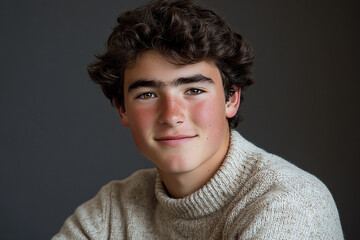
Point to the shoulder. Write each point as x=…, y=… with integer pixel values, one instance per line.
x=295, y=202
x=279, y=195
x=285, y=179
x=275, y=172
x=295, y=189
x=281, y=182
x=120, y=193
x=141, y=182
x=94, y=218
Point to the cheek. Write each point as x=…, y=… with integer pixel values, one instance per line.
x=140, y=117
x=141, y=122
x=209, y=118
x=209, y=114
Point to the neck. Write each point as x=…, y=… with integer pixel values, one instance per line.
x=179, y=185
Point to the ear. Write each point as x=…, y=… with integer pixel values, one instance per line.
x=232, y=105
x=122, y=113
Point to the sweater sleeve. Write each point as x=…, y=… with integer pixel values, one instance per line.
x=89, y=219
x=308, y=213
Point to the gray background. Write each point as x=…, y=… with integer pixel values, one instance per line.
x=60, y=140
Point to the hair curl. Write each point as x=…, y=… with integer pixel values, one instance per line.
x=184, y=33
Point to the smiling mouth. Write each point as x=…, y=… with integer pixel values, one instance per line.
x=174, y=140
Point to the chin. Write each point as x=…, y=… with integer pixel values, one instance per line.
x=177, y=166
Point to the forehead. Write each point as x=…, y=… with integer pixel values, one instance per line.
x=153, y=66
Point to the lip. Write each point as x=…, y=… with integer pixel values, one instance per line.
x=174, y=140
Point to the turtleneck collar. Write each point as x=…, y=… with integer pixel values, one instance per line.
x=220, y=189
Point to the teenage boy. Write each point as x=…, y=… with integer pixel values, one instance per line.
x=175, y=71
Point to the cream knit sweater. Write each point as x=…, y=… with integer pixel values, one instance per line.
x=253, y=195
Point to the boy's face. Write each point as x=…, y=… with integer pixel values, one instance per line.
x=177, y=114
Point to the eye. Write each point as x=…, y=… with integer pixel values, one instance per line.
x=147, y=95
x=194, y=91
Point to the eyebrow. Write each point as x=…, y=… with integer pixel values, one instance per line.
x=198, y=78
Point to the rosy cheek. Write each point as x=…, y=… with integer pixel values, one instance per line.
x=141, y=122
x=141, y=117
x=208, y=114
x=199, y=113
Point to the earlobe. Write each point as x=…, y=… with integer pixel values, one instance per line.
x=232, y=105
x=122, y=113
x=123, y=116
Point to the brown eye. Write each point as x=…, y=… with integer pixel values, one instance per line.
x=147, y=95
x=194, y=91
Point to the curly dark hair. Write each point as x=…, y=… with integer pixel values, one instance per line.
x=184, y=33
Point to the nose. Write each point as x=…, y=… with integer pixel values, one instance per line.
x=172, y=111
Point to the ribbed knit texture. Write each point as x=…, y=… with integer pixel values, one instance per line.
x=253, y=195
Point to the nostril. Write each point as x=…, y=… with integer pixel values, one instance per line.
x=171, y=121
x=172, y=118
